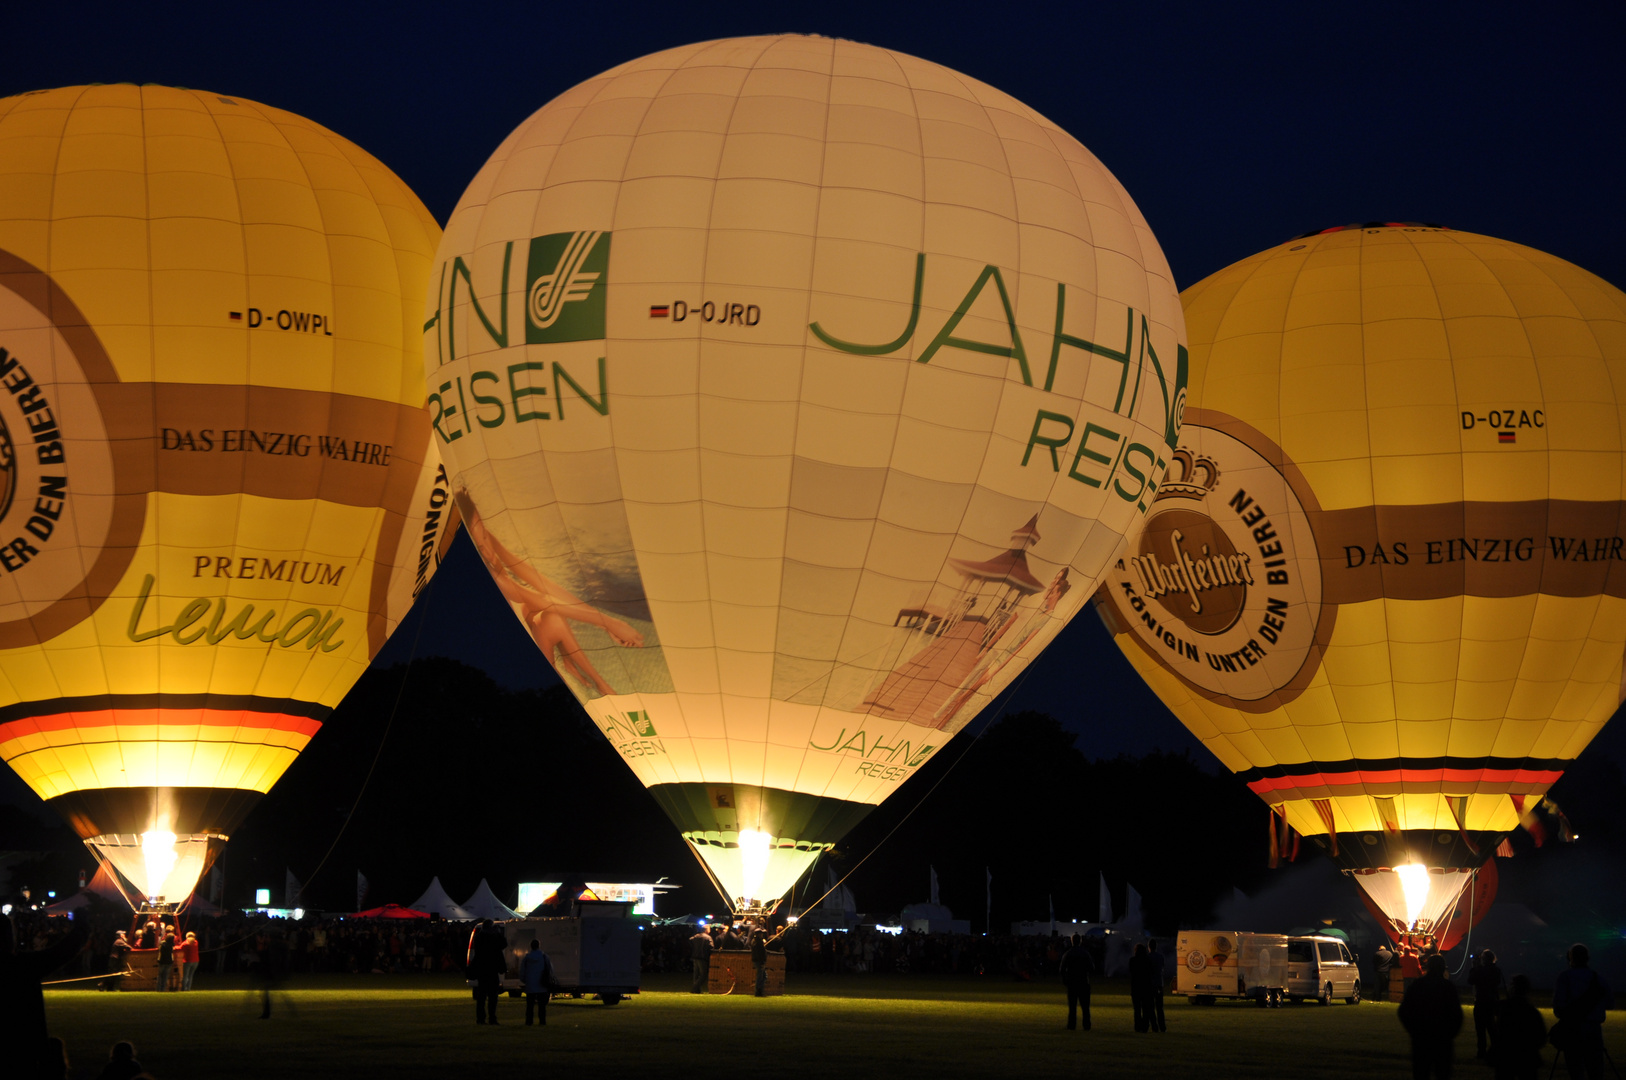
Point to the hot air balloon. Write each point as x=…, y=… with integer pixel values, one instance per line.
x=1383, y=579
x=796, y=393
x=219, y=493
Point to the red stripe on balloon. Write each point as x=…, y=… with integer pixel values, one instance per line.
x=162, y=718
x=1385, y=777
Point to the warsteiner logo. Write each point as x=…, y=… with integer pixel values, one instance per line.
x=60, y=507
x=1224, y=586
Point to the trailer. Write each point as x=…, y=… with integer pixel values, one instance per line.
x=1233, y=964
x=597, y=950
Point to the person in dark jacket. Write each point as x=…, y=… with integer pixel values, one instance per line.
x=536, y=972
x=759, y=961
x=486, y=964
x=1158, y=978
x=1486, y=979
x=1432, y=1014
x=1383, y=962
x=22, y=1003
x=166, y=960
x=1142, y=978
x=700, y=947
x=1518, y=1034
x=1075, y=969
x=1580, y=999
x=118, y=962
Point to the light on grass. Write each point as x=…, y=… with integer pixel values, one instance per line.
x=1414, y=883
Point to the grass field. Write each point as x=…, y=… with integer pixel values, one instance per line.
x=828, y=1027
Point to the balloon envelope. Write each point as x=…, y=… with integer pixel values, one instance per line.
x=1382, y=581
x=219, y=494
x=798, y=392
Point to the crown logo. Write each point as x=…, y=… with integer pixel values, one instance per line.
x=1199, y=474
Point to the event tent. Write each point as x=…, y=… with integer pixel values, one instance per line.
x=485, y=905
x=391, y=911
x=102, y=885
x=434, y=901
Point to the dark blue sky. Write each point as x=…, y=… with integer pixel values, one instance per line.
x=1233, y=127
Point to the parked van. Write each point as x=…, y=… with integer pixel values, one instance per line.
x=1321, y=967
x=1214, y=964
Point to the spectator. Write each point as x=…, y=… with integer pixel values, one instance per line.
x=1075, y=966
x=1486, y=979
x=1580, y=998
x=122, y=1063
x=22, y=1005
x=1432, y=1014
x=1518, y=1034
x=536, y=972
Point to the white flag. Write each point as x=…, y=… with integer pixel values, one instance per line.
x=1106, y=901
x=290, y=889
x=361, y=890
x=933, y=869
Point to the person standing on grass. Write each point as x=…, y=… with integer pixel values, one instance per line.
x=189, y=960
x=1140, y=976
x=1580, y=999
x=486, y=964
x=536, y=972
x=1158, y=966
x=1075, y=976
x=23, y=1034
x=1383, y=961
x=1518, y=1034
x=759, y=961
x=700, y=947
x=1432, y=1014
x=1486, y=979
x=118, y=962
x=166, y=960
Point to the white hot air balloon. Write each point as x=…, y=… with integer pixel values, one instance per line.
x=797, y=392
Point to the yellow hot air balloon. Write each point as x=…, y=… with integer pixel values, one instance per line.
x=219, y=493
x=1383, y=579
x=798, y=391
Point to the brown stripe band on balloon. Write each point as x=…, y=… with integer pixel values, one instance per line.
x=1557, y=547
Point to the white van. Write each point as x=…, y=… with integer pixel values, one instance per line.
x=1214, y=964
x=1321, y=967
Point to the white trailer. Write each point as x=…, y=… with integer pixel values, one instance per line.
x=1214, y=964
x=599, y=951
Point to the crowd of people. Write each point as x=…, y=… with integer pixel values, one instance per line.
x=1509, y=1031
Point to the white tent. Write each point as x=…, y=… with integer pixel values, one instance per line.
x=434, y=901
x=485, y=905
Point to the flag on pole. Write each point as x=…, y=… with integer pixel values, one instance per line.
x=290, y=889
x=933, y=869
x=361, y=890
x=217, y=884
x=1106, y=901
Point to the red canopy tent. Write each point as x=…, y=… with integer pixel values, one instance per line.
x=391, y=911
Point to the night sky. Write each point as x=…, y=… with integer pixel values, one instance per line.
x=1233, y=131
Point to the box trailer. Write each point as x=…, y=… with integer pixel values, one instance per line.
x=1214, y=964
x=597, y=951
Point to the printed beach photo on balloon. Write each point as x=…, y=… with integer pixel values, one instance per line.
x=584, y=605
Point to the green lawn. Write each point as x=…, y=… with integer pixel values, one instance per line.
x=831, y=1025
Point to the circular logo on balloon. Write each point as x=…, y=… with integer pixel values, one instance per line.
x=68, y=527
x=1223, y=586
